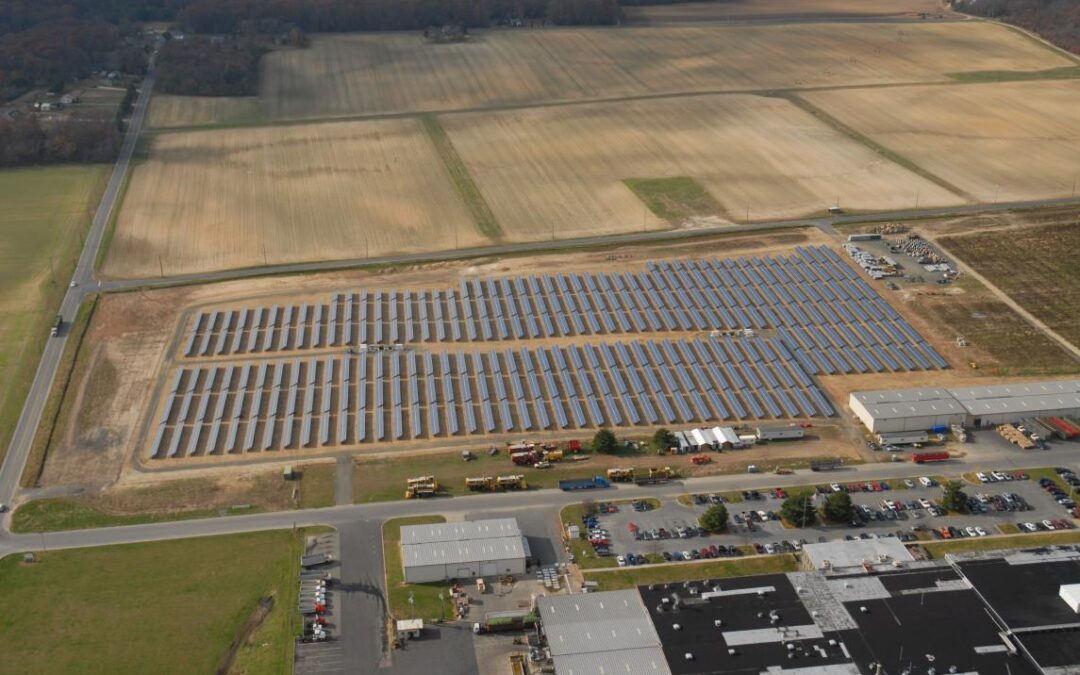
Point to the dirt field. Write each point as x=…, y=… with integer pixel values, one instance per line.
x=345, y=75
x=224, y=199
x=729, y=10
x=1034, y=266
x=998, y=142
x=171, y=111
x=563, y=167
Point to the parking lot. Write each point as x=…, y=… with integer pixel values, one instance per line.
x=906, y=508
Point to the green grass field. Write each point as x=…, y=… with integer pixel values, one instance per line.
x=675, y=199
x=629, y=577
x=384, y=479
x=45, y=214
x=426, y=604
x=162, y=607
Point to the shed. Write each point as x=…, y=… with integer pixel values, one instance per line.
x=409, y=629
x=779, y=433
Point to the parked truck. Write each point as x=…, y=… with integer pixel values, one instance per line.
x=514, y=482
x=584, y=483
x=480, y=483
x=501, y=622
x=314, y=559
x=620, y=474
x=925, y=457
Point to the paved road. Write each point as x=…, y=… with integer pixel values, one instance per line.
x=825, y=223
x=23, y=438
x=1062, y=455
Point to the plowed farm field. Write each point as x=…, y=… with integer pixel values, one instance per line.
x=558, y=171
x=997, y=142
x=211, y=200
x=776, y=9
x=368, y=74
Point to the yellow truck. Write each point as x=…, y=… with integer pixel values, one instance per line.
x=515, y=482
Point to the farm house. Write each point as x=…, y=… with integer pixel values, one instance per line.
x=481, y=548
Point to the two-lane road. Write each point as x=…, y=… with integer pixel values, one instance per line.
x=23, y=438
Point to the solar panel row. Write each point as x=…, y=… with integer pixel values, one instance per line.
x=404, y=394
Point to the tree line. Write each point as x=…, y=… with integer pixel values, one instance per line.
x=201, y=66
x=227, y=16
x=30, y=140
x=1056, y=20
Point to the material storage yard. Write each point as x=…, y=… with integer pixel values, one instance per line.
x=826, y=318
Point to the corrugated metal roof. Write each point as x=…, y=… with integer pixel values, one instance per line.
x=646, y=660
x=460, y=531
x=452, y=552
x=1031, y=398
x=596, y=622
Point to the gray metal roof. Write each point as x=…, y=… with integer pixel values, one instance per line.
x=460, y=531
x=589, y=623
x=841, y=554
x=642, y=661
x=453, y=552
x=1030, y=398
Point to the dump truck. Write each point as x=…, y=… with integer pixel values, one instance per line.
x=525, y=457
x=514, y=482
x=584, y=483
x=554, y=455
x=620, y=474
x=501, y=622
x=420, y=492
x=700, y=459
x=480, y=483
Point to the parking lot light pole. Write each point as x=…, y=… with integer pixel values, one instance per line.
x=412, y=606
x=442, y=608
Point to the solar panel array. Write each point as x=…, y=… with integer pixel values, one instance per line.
x=829, y=318
x=330, y=401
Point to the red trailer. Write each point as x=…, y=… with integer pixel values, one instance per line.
x=573, y=446
x=925, y=457
x=1069, y=430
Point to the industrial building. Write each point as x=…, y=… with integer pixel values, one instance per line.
x=902, y=410
x=465, y=550
x=594, y=633
x=992, y=613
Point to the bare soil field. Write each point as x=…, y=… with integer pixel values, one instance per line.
x=735, y=10
x=211, y=200
x=1034, y=266
x=998, y=142
x=367, y=74
x=558, y=171
x=172, y=111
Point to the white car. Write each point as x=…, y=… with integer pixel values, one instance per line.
x=1048, y=525
x=889, y=504
x=621, y=560
x=925, y=503
x=836, y=487
x=1002, y=476
x=971, y=531
x=909, y=483
x=982, y=532
x=926, y=482
x=1030, y=527
x=982, y=477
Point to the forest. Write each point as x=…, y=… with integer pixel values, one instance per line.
x=1056, y=20
x=28, y=140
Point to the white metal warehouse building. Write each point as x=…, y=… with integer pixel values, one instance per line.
x=596, y=633
x=891, y=411
x=464, y=550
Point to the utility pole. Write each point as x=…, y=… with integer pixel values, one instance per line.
x=161, y=267
x=916, y=199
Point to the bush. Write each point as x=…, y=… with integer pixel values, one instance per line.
x=715, y=519
x=954, y=498
x=798, y=509
x=838, y=508
x=605, y=442
x=663, y=439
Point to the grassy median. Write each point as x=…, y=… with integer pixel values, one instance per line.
x=630, y=577
x=938, y=549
